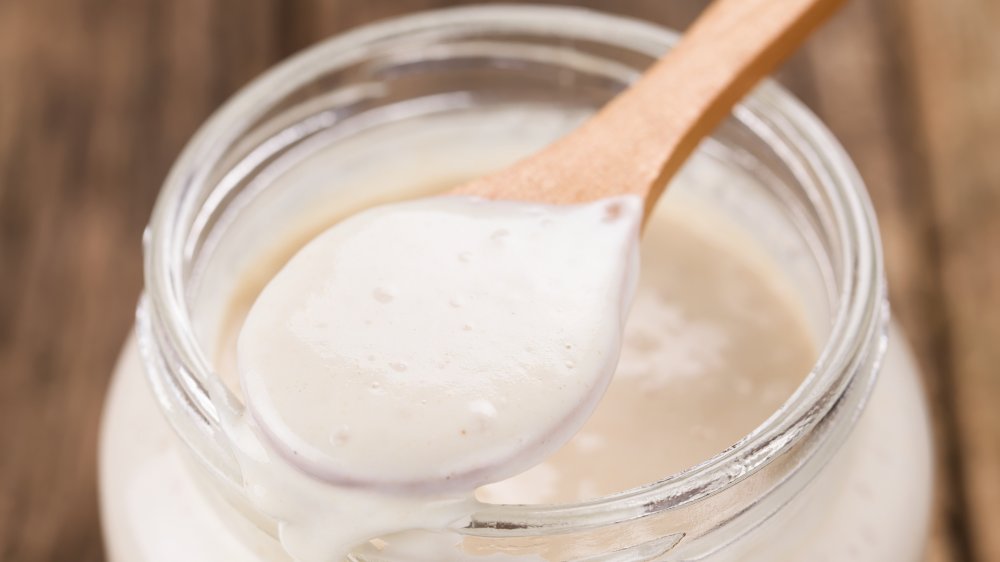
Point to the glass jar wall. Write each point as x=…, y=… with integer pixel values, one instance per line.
x=414, y=105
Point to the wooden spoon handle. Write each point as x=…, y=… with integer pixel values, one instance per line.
x=636, y=143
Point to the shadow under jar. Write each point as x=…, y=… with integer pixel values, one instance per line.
x=411, y=106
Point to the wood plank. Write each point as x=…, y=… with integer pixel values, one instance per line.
x=98, y=97
x=953, y=58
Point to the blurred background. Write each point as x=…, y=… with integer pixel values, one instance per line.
x=97, y=97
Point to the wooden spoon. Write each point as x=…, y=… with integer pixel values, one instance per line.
x=639, y=140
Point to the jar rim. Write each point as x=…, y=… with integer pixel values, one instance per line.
x=859, y=325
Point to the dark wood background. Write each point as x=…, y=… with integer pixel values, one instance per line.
x=98, y=96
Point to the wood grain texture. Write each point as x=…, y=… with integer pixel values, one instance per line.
x=953, y=56
x=98, y=96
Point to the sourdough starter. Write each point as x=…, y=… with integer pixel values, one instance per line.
x=713, y=344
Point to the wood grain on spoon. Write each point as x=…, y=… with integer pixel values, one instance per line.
x=636, y=143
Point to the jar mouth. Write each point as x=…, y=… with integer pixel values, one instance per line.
x=184, y=378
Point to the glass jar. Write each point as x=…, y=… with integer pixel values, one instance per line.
x=840, y=472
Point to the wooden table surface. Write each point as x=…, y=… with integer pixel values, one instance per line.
x=98, y=96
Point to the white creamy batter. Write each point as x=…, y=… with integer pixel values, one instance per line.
x=433, y=346
x=441, y=343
